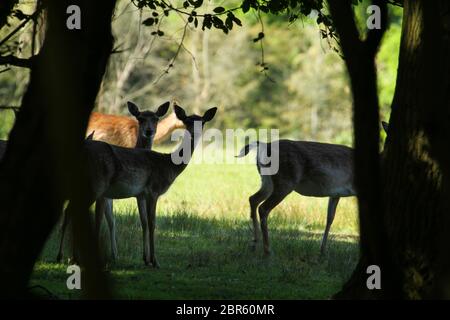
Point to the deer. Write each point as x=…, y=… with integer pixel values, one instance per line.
x=311, y=169
x=147, y=127
x=124, y=131
x=117, y=173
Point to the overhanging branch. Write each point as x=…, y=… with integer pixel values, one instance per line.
x=15, y=61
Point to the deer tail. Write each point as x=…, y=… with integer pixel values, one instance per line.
x=246, y=149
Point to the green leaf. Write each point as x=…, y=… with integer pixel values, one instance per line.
x=245, y=6
x=229, y=22
x=219, y=10
x=148, y=22
x=196, y=4
x=237, y=21
x=218, y=23
x=260, y=36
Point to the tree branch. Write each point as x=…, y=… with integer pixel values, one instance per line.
x=22, y=24
x=15, y=61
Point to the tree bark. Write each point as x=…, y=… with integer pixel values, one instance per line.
x=417, y=157
x=359, y=57
x=43, y=164
x=414, y=216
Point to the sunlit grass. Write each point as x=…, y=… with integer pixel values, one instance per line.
x=202, y=242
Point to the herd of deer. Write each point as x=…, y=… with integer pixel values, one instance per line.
x=122, y=165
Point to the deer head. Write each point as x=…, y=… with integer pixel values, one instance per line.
x=148, y=122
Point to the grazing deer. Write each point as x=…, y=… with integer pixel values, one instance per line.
x=117, y=173
x=311, y=169
x=147, y=127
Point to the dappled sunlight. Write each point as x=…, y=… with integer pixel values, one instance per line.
x=210, y=258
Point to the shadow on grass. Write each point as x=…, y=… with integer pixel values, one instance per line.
x=211, y=259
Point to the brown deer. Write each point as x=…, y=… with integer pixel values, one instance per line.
x=311, y=169
x=118, y=173
x=147, y=127
x=123, y=130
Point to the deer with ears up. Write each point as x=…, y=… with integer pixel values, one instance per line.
x=117, y=173
x=123, y=131
x=311, y=169
x=147, y=127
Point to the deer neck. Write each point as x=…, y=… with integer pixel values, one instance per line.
x=183, y=154
x=144, y=142
x=166, y=126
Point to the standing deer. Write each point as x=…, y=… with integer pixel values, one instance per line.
x=118, y=173
x=311, y=169
x=147, y=127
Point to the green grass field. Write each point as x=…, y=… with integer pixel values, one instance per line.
x=202, y=243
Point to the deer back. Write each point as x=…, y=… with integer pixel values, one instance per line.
x=114, y=129
x=316, y=169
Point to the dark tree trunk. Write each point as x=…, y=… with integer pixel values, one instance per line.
x=359, y=56
x=43, y=165
x=417, y=158
x=413, y=219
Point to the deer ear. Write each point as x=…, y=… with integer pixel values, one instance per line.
x=209, y=114
x=385, y=126
x=133, y=109
x=162, y=110
x=180, y=113
x=91, y=136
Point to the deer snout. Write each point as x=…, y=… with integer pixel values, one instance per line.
x=149, y=133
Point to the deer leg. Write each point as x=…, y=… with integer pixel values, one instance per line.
x=63, y=231
x=254, y=201
x=264, y=209
x=142, y=207
x=332, y=204
x=151, y=213
x=109, y=215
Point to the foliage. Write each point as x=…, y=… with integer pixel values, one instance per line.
x=300, y=86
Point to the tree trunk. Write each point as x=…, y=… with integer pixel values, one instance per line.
x=43, y=164
x=417, y=154
x=415, y=185
x=359, y=56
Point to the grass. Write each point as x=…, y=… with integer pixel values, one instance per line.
x=202, y=244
